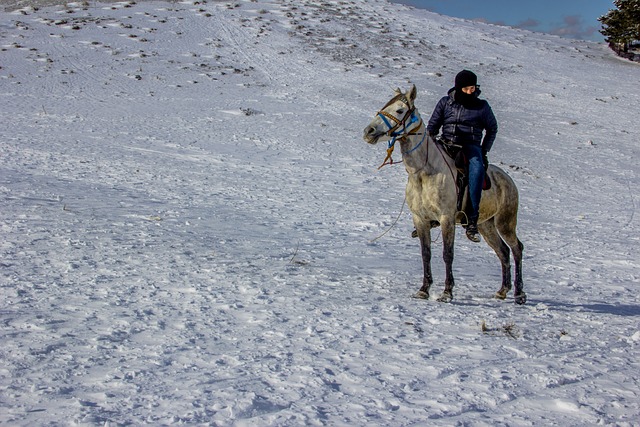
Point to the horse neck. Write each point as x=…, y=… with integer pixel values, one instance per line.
x=421, y=154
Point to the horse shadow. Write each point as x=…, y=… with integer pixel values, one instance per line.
x=624, y=310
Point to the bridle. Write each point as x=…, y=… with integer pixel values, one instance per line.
x=401, y=128
x=398, y=122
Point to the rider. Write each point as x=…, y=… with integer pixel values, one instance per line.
x=463, y=117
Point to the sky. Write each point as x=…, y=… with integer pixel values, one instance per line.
x=567, y=18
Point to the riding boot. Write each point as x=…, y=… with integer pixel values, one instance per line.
x=472, y=230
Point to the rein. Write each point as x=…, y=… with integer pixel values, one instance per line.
x=453, y=175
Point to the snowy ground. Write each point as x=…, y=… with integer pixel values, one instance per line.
x=188, y=209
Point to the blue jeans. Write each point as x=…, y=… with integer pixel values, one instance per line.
x=473, y=153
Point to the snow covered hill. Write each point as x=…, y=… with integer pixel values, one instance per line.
x=189, y=222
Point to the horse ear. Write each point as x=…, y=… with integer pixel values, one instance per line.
x=411, y=94
x=397, y=91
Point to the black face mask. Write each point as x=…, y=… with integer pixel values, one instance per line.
x=466, y=100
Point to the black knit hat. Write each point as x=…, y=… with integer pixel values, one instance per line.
x=466, y=78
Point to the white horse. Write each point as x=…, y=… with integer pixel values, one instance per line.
x=431, y=195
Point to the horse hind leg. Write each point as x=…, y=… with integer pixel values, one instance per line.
x=520, y=295
x=508, y=233
x=490, y=234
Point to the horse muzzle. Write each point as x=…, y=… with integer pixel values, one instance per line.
x=372, y=134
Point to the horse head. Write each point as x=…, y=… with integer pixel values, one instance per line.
x=393, y=119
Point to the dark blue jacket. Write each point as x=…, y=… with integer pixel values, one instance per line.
x=464, y=124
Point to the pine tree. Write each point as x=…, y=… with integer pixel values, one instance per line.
x=621, y=26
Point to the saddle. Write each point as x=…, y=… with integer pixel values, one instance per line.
x=462, y=178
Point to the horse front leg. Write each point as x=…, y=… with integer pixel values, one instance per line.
x=424, y=233
x=448, y=238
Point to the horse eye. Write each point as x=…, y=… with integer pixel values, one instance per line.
x=400, y=111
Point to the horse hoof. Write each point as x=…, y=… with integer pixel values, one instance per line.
x=421, y=295
x=501, y=294
x=521, y=298
x=445, y=297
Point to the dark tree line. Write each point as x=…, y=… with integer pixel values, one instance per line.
x=621, y=26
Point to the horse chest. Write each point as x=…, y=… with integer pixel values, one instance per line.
x=427, y=195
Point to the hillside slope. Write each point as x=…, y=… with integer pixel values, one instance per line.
x=189, y=221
